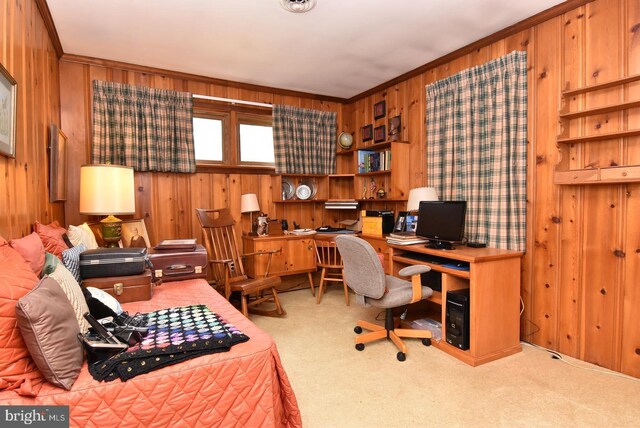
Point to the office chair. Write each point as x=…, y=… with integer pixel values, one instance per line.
x=365, y=276
x=328, y=258
x=226, y=264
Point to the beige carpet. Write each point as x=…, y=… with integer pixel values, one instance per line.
x=337, y=386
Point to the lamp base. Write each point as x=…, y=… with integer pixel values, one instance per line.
x=111, y=231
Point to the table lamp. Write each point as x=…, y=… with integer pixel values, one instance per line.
x=249, y=204
x=107, y=190
x=420, y=194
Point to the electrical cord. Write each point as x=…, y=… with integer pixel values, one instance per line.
x=558, y=356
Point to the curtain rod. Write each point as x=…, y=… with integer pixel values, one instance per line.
x=232, y=101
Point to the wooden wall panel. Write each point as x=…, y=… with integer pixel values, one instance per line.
x=579, y=282
x=167, y=202
x=27, y=53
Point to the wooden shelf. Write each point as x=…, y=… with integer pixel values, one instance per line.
x=600, y=137
x=599, y=86
x=609, y=175
x=599, y=110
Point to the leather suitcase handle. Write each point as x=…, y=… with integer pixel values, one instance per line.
x=179, y=269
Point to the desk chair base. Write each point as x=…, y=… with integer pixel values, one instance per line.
x=377, y=332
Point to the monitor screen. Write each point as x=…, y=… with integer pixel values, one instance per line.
x=441, y=222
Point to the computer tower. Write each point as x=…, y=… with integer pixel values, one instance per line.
x=457, y=318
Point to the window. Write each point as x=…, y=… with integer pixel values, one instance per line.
x=207, y=139
x=232, y=137
x=255, y=137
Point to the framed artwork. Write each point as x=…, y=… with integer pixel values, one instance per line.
x=134, y=234
x=57, y=164
x=401, y=222
x=394, y=128
x=379, y=134
x=8, y=94
x=379, y=109
x=367, y=133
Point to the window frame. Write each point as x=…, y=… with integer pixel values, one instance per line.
x=251, y=119
x=231, y=136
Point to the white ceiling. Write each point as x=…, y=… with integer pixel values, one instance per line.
x=340, y=48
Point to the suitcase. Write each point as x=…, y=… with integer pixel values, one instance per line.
x=179, y=264
x=131, y=288
x=105, y=262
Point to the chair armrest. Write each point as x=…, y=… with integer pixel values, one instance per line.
x=220, y=261
x=416, y=284
x=413, y=270
x=270, y=253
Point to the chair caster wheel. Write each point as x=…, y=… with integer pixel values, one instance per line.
x=357, y=329
x=401, y=356
x=360, y=346
x=426, y=342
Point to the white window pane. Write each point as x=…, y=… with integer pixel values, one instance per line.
x=256, y=143
x=207, y=139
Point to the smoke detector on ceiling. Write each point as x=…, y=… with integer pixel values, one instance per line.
x=298, y=6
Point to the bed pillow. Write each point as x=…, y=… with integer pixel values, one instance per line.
x=106, y=299
x=49, y=329
x=74, y=293
x=51, y=262
x=51, y=237
x=17, y=369
x=71, y=260
x=82, y=234
x=31, y=249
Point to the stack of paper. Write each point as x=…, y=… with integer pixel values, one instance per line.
x=405, y=238
x=341, y=204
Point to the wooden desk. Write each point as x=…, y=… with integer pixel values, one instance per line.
x=296, y=255
x=494, y=282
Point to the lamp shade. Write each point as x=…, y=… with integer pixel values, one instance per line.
x=249, y=203
x=106, y=190
x=420, y=194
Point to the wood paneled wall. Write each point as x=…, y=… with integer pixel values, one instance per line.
x=167, y=202
x=580, y=284
x=27, y=53
x=580, y=273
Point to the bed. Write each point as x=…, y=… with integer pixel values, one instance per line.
x=246, y=386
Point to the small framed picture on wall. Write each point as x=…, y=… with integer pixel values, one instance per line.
x=379, y=109
x=379, y=134
x=367, y=133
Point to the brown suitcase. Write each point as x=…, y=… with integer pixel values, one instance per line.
x=130, y=288
x=179, y=264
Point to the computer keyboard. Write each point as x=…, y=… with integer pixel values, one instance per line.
x=427, y=258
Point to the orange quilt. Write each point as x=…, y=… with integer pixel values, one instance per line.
x=245, y=387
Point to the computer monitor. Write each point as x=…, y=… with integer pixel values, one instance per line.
x=441, y=222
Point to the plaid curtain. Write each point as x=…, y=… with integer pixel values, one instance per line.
x=477, y=147
x=304, y=141
x=148, y=129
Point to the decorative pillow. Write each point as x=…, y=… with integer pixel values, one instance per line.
x=106, y=299
x=49, y=328
x=71, y=260
x=31, y=249
x=82, y=234
x=17, y=369
x=71, y=288
x=51, y=237
x=51, y=262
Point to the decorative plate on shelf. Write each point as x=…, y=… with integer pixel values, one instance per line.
x=303, y=192
x=288, y=190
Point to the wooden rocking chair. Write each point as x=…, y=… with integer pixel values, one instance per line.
x=226, y=264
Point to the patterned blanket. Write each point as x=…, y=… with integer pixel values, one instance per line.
x=175, y=335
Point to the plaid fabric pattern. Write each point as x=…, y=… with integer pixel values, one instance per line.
x=304, y=141
x=477, y=147
x=145, y=128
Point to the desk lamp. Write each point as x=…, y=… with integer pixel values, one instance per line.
x=420, y=194
x=107, y=190
x=249, y=204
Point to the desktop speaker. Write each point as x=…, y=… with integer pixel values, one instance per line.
x=457, y=318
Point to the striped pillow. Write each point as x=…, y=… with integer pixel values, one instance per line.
x=71, y=260
x=74, y=293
